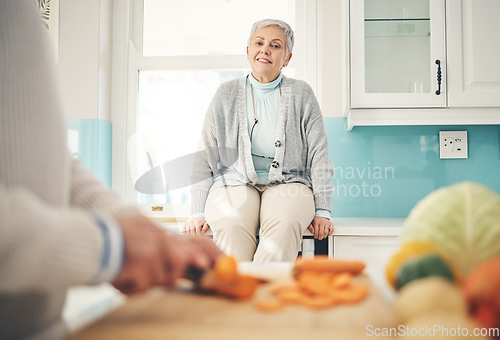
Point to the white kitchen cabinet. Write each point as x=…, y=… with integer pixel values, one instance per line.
x=371, y=240
x=394, y=46
x=473, y=42
x=394, y=49
x=375, y=251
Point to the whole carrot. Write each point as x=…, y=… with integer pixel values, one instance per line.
x=323, y=263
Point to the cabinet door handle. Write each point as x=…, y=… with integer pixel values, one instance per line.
x=438, y=63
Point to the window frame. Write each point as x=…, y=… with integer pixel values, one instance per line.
x=128, y=62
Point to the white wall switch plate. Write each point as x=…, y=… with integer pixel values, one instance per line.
x=453, y=144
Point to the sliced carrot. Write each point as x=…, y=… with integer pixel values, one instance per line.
x=320, y=283
x=283, y=288
x=318, y=301
x=314, y=282
x=351, y=294
x=242, y=288
x=322, y=263
x=292, y=296
x=226, y=269
x=341, y=280
x=269, y=305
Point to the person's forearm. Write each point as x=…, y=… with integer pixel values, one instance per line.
x=43, y=246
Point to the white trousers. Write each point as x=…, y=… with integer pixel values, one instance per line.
x=280, y=214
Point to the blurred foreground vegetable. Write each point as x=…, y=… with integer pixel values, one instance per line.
x=462, y=221
x=428, y=265
x=427, y=296
x=482, y=291
x=407, y=251
x=451, y=239
x=439, y=305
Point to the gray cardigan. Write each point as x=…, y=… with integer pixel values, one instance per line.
x=301, y=144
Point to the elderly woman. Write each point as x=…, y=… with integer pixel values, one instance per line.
x=265, y=167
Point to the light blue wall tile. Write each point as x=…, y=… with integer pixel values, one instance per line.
x=384, y=171
x=90, y=140
x=380, y=171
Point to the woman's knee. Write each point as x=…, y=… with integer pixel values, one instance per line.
x=233, y=227
x=285, y=225
x=285, y=199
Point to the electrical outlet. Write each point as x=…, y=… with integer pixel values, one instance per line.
x=453, y=144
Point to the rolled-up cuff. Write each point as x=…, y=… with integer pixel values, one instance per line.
x=323, y=213
x=113, y=249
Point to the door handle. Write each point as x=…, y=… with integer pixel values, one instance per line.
x=439, y=76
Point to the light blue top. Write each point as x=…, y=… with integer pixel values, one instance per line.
x=267, y=103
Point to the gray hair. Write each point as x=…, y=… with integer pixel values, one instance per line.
x=275, y=22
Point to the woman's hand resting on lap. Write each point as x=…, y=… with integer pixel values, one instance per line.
x=194, y=226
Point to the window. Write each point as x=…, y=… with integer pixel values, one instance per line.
x=179, y=53
x=206, y=27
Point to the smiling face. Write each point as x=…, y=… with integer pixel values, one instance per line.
x=267, y=53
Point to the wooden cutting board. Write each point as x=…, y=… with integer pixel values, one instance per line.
x=184, y=314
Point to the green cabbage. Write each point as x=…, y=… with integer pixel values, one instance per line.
x=462, y=221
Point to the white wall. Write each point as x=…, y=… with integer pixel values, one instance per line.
x=85, y=58
x=332, y=57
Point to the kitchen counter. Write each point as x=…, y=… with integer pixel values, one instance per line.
x=367, y=226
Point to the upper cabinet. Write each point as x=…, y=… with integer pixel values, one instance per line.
x=424, y=62
x=394, y=49
x=473, y=29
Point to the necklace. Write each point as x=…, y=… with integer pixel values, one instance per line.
x=255, y=121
